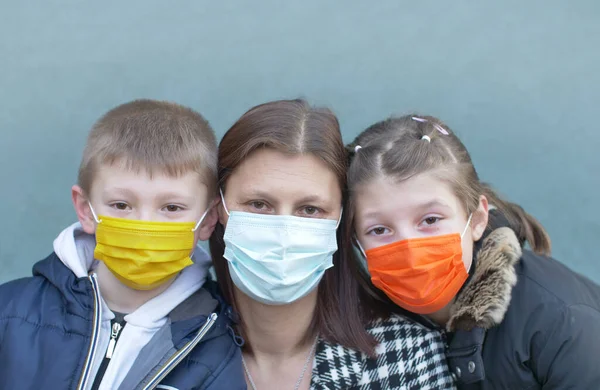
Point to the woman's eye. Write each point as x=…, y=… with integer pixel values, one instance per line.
x=173, y=208
x=431, y=220
x=310, y=210
x=258, y=205
x=120, y=206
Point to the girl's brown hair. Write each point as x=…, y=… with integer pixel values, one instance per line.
x=407, y=146
x=293, y=127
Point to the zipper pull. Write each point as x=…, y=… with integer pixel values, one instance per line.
x=116, y=328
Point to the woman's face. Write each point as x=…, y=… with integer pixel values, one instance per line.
x=271, y=182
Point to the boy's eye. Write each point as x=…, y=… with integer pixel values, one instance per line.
x=172, y=208
x=120, y=206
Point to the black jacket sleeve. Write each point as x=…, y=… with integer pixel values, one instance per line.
x=566, y=356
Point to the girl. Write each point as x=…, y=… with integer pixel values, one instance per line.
x=282, y=171
x=446, y=248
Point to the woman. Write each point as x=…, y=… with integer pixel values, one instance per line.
x=516, y=319
x=282, y=169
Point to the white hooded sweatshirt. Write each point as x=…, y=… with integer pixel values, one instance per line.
x=75, y=248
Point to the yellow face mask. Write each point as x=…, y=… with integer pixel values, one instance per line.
x=144, y=254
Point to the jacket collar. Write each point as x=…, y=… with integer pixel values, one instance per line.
x=77, y=292
x=484, y=300
x=185, y=319
x=482, y=303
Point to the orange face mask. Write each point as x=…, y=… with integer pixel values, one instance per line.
x=421, y=275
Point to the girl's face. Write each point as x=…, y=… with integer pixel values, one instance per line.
x=388, y=211
x=270, y=182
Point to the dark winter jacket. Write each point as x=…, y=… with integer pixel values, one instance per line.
x=48, y=333
x=524, y=321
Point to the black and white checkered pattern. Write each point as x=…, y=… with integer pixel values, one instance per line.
x=409, y=356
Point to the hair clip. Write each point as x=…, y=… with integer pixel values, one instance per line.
x=357, y=148
x=426, y=138
x=437, y=127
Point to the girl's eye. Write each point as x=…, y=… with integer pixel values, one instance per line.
x=173, y=208
x=120, y=206
x=431, y=220
x=378, y=231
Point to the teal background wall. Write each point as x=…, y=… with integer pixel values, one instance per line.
x=517, y=80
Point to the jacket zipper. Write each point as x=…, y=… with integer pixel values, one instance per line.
x=114, y=334
x=182, y=353
x=85, y=375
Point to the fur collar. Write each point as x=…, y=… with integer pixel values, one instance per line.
x=485, y=298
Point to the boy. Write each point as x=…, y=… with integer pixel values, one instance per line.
x=120, y=304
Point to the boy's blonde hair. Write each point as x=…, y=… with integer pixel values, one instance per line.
x=155, y=136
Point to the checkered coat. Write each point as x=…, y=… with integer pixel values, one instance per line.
x=409, y=356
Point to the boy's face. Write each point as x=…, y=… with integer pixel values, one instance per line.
x=123, y=193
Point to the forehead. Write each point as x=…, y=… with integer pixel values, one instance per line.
x=284, y=175
x=120, y=178
x=384, y=194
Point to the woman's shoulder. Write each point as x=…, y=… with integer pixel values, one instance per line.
x=407, y=355
x=417, y=352
x=398, y=322
x=403, y=339
x=399, y=332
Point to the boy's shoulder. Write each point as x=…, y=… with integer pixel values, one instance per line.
x=51, y=286
x=18, y=290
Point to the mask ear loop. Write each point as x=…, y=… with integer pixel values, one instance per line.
x=223, y=200
x=339, y=219
x=201, y=219
x=194, y=229
x=466, y=227
x=360, y=247
x=94, y=213
x=463, y=233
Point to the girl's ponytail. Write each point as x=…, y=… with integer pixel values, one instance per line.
x=526, y=227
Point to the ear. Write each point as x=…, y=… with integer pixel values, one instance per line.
x=82, y=208
x=210, y=221
x=480, y=217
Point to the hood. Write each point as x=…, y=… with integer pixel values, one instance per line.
x=75, y=249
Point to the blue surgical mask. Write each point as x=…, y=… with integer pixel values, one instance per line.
x=278, y=259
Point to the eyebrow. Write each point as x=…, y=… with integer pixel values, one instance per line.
x=174, y=196
x=424, y=206
x=269, y=196
x=121, y=191
x=312, y=199
x=433, y=203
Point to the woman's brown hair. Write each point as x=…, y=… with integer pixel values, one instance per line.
x=407, y=146
x=294, y=127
